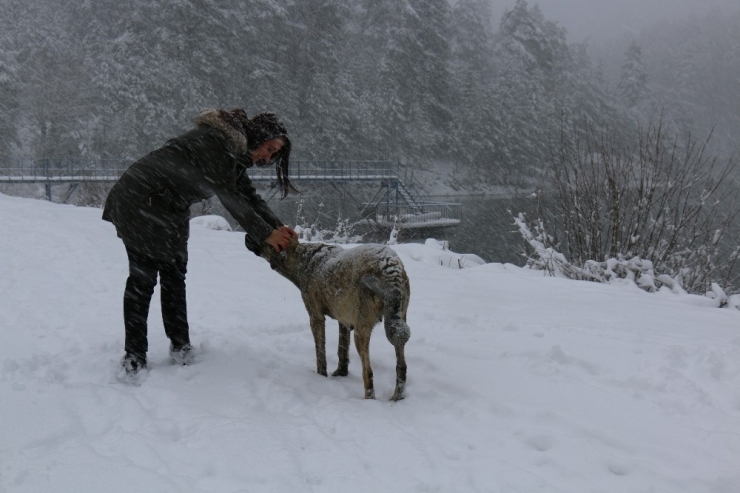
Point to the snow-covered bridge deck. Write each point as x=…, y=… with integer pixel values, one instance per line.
x=421, y=215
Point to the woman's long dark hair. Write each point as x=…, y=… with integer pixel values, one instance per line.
x=282, y=164
x=266, y=126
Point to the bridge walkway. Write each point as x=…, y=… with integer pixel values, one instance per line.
x=400, y=206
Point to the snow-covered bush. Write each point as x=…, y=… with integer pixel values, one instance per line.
x=640, y=271
x=661, y=212
x=450, y=259
x=393, y=237
x=546, y=257
x=343, y=231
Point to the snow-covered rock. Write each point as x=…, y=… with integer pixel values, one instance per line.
x=212, y=222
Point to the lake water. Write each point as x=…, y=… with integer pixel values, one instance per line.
x=487, y=228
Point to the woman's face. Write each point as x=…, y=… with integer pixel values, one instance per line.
x=264, y=153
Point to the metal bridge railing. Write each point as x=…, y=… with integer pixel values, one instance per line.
x=61, y=169
x=417, y=213
x=331, y=171
x=78, y=169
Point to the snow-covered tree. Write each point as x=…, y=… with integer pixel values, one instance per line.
x=139, y=74
x=633, y=80
x=530, y=53
x=410, y=80
x=9, y=90
x=403, y=79
x=324, y=89
x=261, y=51
x=54, y=93
x=474, y=122
x=431, y=52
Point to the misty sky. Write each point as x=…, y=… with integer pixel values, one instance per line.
x=599, y=19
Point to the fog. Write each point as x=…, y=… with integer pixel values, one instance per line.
x=602, y=19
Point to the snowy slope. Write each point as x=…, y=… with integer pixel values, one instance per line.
x=517, y=382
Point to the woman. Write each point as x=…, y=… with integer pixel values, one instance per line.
x=150, y=207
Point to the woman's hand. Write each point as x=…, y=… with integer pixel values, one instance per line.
x=288, y=230
x=279, y=239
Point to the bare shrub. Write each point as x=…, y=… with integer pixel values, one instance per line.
x=343, y=231
x=665, y=202
x=92, y=193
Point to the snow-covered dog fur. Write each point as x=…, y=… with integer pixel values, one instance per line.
x=358, y=287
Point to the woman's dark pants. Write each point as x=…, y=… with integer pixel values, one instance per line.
x=142, y=278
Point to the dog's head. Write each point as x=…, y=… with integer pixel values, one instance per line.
x=285, y=262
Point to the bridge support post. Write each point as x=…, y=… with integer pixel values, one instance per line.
x=72, y=187
x=47, y=185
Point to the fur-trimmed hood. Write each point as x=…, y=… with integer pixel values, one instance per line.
x=215, y=118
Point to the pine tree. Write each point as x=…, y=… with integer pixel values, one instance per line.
x=379, y=105
x=54, y=93
x=539, y=44
x=147, y=88
x=417, y=67
x=474, y=121
x=584, y=95
x=633, y=80
x=324, y=98
x=9, y=86
x=262, y=54
x=530, y=53
x=431, y=97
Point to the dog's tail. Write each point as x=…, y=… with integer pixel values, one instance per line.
x=396, y=329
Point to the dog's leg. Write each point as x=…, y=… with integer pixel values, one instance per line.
x=343, y=352
x=362, y=342
x=398, y=394
x=319, y=338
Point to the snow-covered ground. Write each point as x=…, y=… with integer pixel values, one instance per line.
x=517, y=382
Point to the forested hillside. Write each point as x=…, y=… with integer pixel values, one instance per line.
x=415, y=80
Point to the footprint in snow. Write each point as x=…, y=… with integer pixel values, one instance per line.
x=618, y=468
x=540, y=443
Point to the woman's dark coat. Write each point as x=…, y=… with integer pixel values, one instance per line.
x=150, y=203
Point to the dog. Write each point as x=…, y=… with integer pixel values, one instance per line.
x=358, y=287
